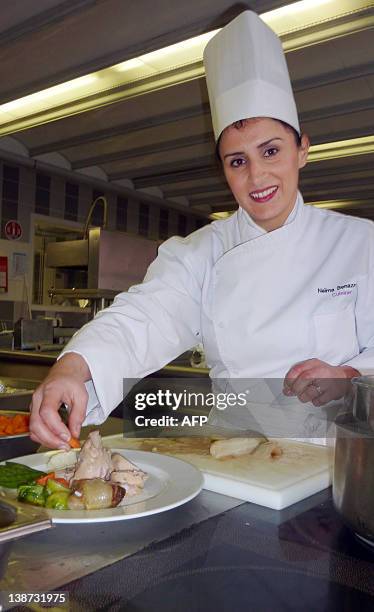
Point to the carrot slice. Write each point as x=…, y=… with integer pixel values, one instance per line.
x=10, y=425
x=43, y=479
x=62, y=481
x=74, y=443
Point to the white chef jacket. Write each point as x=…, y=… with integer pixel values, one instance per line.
x=259, y=302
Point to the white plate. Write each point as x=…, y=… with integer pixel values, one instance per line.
x=171, y=483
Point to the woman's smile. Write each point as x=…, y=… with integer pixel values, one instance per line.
x=264, y=195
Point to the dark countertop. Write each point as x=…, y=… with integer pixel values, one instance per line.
x=213, y=553
x=246, y=558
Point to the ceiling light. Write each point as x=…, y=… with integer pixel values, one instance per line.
x=293, y=9
x=221, y=215
x=336, y=204
x=56, y=90
x=341, y=148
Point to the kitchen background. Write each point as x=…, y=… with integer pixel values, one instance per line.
x=107, y=97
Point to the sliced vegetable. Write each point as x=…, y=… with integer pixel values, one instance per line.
x=53, y=486
x=43, y=479
x=74, y=443
x=58, y=500
x=75, y=503
x=12, y=475
x=15, y=424
x=63, y=481
x=32, y=494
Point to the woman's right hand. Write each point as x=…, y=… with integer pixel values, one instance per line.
x=64, y=384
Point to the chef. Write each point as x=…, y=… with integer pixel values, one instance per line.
x=278, y=290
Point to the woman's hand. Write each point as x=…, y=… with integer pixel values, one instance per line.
x=318, y=382
x=63, y=385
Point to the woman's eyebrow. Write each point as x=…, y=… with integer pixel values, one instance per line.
x=263, y=144
x=235, y=153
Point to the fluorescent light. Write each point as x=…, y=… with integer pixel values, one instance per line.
x=129, y=65
x=221, y=215
x=293, y=9
x=341, y=148
x=336, y=204
x=186, y=52
x=56, y=90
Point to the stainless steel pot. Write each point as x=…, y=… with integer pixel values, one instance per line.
x=353, y=479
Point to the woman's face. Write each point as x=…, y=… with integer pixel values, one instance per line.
x=261, y=161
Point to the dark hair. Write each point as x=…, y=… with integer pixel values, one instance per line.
x=239, y=124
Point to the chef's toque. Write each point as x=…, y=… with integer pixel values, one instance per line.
x=247, y=74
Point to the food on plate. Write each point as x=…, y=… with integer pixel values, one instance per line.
x=32, y=494
x=74, y=443
x=95, y=494
x=14, y=424
x=94, y=460
x=14, y=474
x=92, y=479
x=127, y=474
x=234, y=447
x=59, y=460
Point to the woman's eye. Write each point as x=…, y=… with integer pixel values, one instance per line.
x=271, y=152
x=236, y=163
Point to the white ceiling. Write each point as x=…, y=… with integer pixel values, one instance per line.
x=163, y=139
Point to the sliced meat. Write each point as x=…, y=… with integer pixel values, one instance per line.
x=133, y=477
x=234, y=447
x=119, y=463
x=94, y=460
x=127, y=474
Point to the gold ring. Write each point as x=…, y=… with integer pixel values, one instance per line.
x=317, y=388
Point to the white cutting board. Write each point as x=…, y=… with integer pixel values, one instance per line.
x=300, y=471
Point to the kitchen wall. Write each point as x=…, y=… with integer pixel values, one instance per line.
x=26, y=192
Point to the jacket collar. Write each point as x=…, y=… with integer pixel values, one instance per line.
x=249, y=229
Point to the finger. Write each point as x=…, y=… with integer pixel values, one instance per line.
x=300, y=385
x=48, y=412
x=77, y=413
x=292, y=381
x=322, y=399
x=300, y=367
x=312, y=392
x=39, y=432
x=40, y=427
x=335, y=389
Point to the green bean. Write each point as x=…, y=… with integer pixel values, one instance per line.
x=14, y=474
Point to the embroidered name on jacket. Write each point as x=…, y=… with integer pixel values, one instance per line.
x=338, y=290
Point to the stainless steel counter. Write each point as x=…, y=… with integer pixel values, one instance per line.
x=34, y=365
x=65, y=553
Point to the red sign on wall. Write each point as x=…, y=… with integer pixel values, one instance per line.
x=13, y=230
x=3, y=274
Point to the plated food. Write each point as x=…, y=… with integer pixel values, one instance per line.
x=171, y=482
x=95, y=478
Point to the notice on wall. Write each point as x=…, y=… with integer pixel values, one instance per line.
x=19, y=264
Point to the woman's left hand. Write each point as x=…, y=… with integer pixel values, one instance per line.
x=318, y=382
